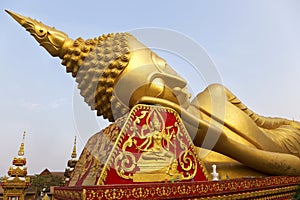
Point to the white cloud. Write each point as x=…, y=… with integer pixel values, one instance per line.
x=33, y=106
x=57, y=103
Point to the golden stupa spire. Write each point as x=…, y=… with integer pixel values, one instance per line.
x=74, y=154
x=18, y=181
x=54, y=41
x=18, y=169
x=21, y=150
x=71, y=163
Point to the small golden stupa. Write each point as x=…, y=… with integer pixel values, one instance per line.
x=71, y=163
x=15, y=185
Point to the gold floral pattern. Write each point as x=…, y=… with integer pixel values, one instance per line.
x=277, y=187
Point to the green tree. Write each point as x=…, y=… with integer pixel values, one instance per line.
x=297, y=194
x=42, y=183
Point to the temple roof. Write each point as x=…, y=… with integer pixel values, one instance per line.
x=48, y=172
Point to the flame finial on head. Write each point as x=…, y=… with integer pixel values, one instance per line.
x=54, y=41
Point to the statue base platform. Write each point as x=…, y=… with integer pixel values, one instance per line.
x=150, y=155
x=278, y=187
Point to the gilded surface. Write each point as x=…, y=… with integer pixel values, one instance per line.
x=116, y=72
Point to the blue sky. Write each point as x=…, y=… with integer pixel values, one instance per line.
x=255, y=46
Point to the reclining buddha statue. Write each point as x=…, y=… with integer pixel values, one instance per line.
x=114, y=72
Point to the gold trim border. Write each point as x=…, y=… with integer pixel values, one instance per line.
x=256, y=188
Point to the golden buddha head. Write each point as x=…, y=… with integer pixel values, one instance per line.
x=113, y=71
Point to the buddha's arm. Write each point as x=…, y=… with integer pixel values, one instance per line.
x=234, y=122
x=218, y=103
x=261, y=121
